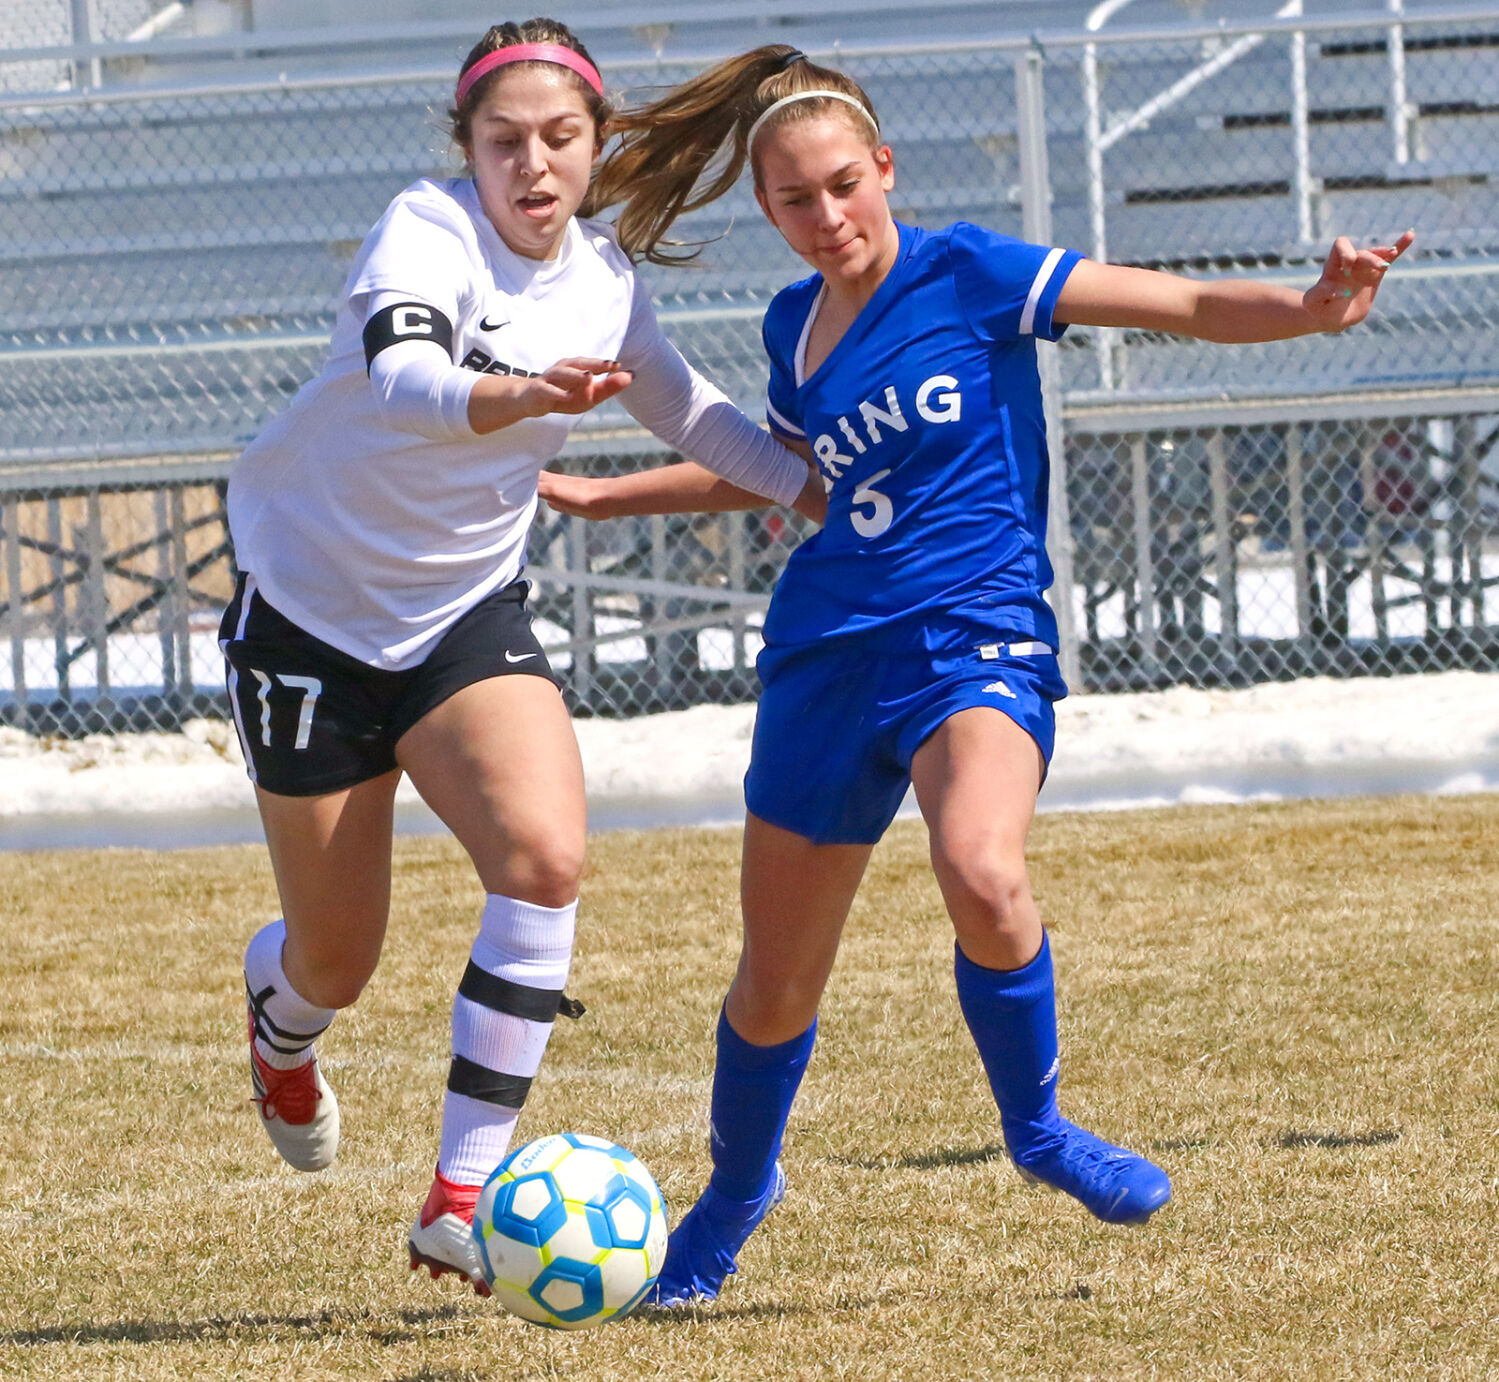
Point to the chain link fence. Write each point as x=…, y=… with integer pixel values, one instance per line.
x=171, y=254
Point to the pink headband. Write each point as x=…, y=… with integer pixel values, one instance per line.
x=529, y=52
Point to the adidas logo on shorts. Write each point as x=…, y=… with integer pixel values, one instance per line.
x=1000, y=689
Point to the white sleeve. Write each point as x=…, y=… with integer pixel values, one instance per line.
x=675, y=402
x=417, y=386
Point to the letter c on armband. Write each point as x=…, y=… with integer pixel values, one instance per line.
x=406, y=321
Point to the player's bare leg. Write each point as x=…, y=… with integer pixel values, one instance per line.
x=976, y=780
x=796, y=897
x=331, y=857
x=498, y=762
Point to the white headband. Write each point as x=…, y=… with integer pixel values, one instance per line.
x=843, y=96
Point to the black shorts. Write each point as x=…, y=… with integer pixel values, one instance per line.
x=312, y=719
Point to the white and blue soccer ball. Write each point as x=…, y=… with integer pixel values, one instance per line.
x=571, y=1231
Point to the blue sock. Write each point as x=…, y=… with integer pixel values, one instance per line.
x=753, y=1088
x=1013, y=1017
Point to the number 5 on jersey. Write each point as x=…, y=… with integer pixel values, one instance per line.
x=310, y=687
x=881, y=511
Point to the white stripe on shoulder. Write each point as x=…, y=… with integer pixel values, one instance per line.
x=790, y=428
x=1043, y=277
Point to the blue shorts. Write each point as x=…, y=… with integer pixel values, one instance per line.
x=839, y=723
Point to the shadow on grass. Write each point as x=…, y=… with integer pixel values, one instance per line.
x=381, y=1326
x=711, y=1311
x=1180, y=1144
x=1079, y=1290
x=927, y=1161
x=435, y=1375
x=1338, y=1139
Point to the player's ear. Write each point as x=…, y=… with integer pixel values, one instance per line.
x=764, y=204
x=884, y=160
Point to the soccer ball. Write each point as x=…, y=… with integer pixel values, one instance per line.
x=571, y=1231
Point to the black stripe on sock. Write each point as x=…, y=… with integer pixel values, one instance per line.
x=502, y=996
x=276, y=1036
x=488, y=1086
x=280, y=1047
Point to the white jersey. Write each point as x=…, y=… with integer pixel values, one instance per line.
x=376, y=539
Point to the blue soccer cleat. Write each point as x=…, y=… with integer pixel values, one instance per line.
x=1117, y=1186
x=701, y=1251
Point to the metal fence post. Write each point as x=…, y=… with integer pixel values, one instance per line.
x=1225, y=552
x=577, y=553
x=1467, y=534
x=97, y=599
x=182, y=595
x=166, y=600
x=1373, y=535
x=1139, y=470
x=81, y=22
x=59, y=600
x=1035, y=200
x=1301, y=555
x=1400, y=113
x=737, y=581
x=1301, y=138
x=16, y=610
x=660, y=646
x=1103, y=337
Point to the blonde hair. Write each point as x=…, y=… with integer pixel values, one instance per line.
x=688, y=148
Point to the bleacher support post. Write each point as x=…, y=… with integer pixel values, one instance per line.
x=1035, y=201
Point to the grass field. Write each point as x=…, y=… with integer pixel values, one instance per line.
x=1294, y=1008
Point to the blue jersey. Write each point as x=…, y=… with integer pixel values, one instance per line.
x=926, y=423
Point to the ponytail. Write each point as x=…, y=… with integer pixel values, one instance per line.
x=687, y=149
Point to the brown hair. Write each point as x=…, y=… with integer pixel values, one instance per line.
x=700, y=130
x=460, y=118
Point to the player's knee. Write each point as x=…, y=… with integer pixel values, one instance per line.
x=340, y=990
x=333, y=978
x=545, y=872
x=768, y=1009
x=330, y=959
x=991, y=889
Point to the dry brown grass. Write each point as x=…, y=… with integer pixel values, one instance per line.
x=1293, y=1007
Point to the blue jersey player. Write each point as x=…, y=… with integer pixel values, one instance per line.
x=909, y=641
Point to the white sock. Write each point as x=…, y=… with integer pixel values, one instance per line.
x=502, y=1019
x=286, y=1024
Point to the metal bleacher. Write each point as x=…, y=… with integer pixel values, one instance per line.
x=193, y=220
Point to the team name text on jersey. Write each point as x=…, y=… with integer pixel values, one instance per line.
x=937, y=400
x=478, y=360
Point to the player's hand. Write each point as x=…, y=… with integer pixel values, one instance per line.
x=575, y=494
x=1350, y=279
x=575, y=385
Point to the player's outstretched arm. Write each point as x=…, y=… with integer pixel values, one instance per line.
x=685, y=487
x=1229, y=310
x=570, y=386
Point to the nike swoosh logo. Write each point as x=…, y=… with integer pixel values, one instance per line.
x=524, y=657
x=486, y=325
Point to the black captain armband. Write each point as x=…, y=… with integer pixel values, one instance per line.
x=402, y=322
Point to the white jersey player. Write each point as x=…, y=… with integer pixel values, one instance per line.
x=379, y=625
